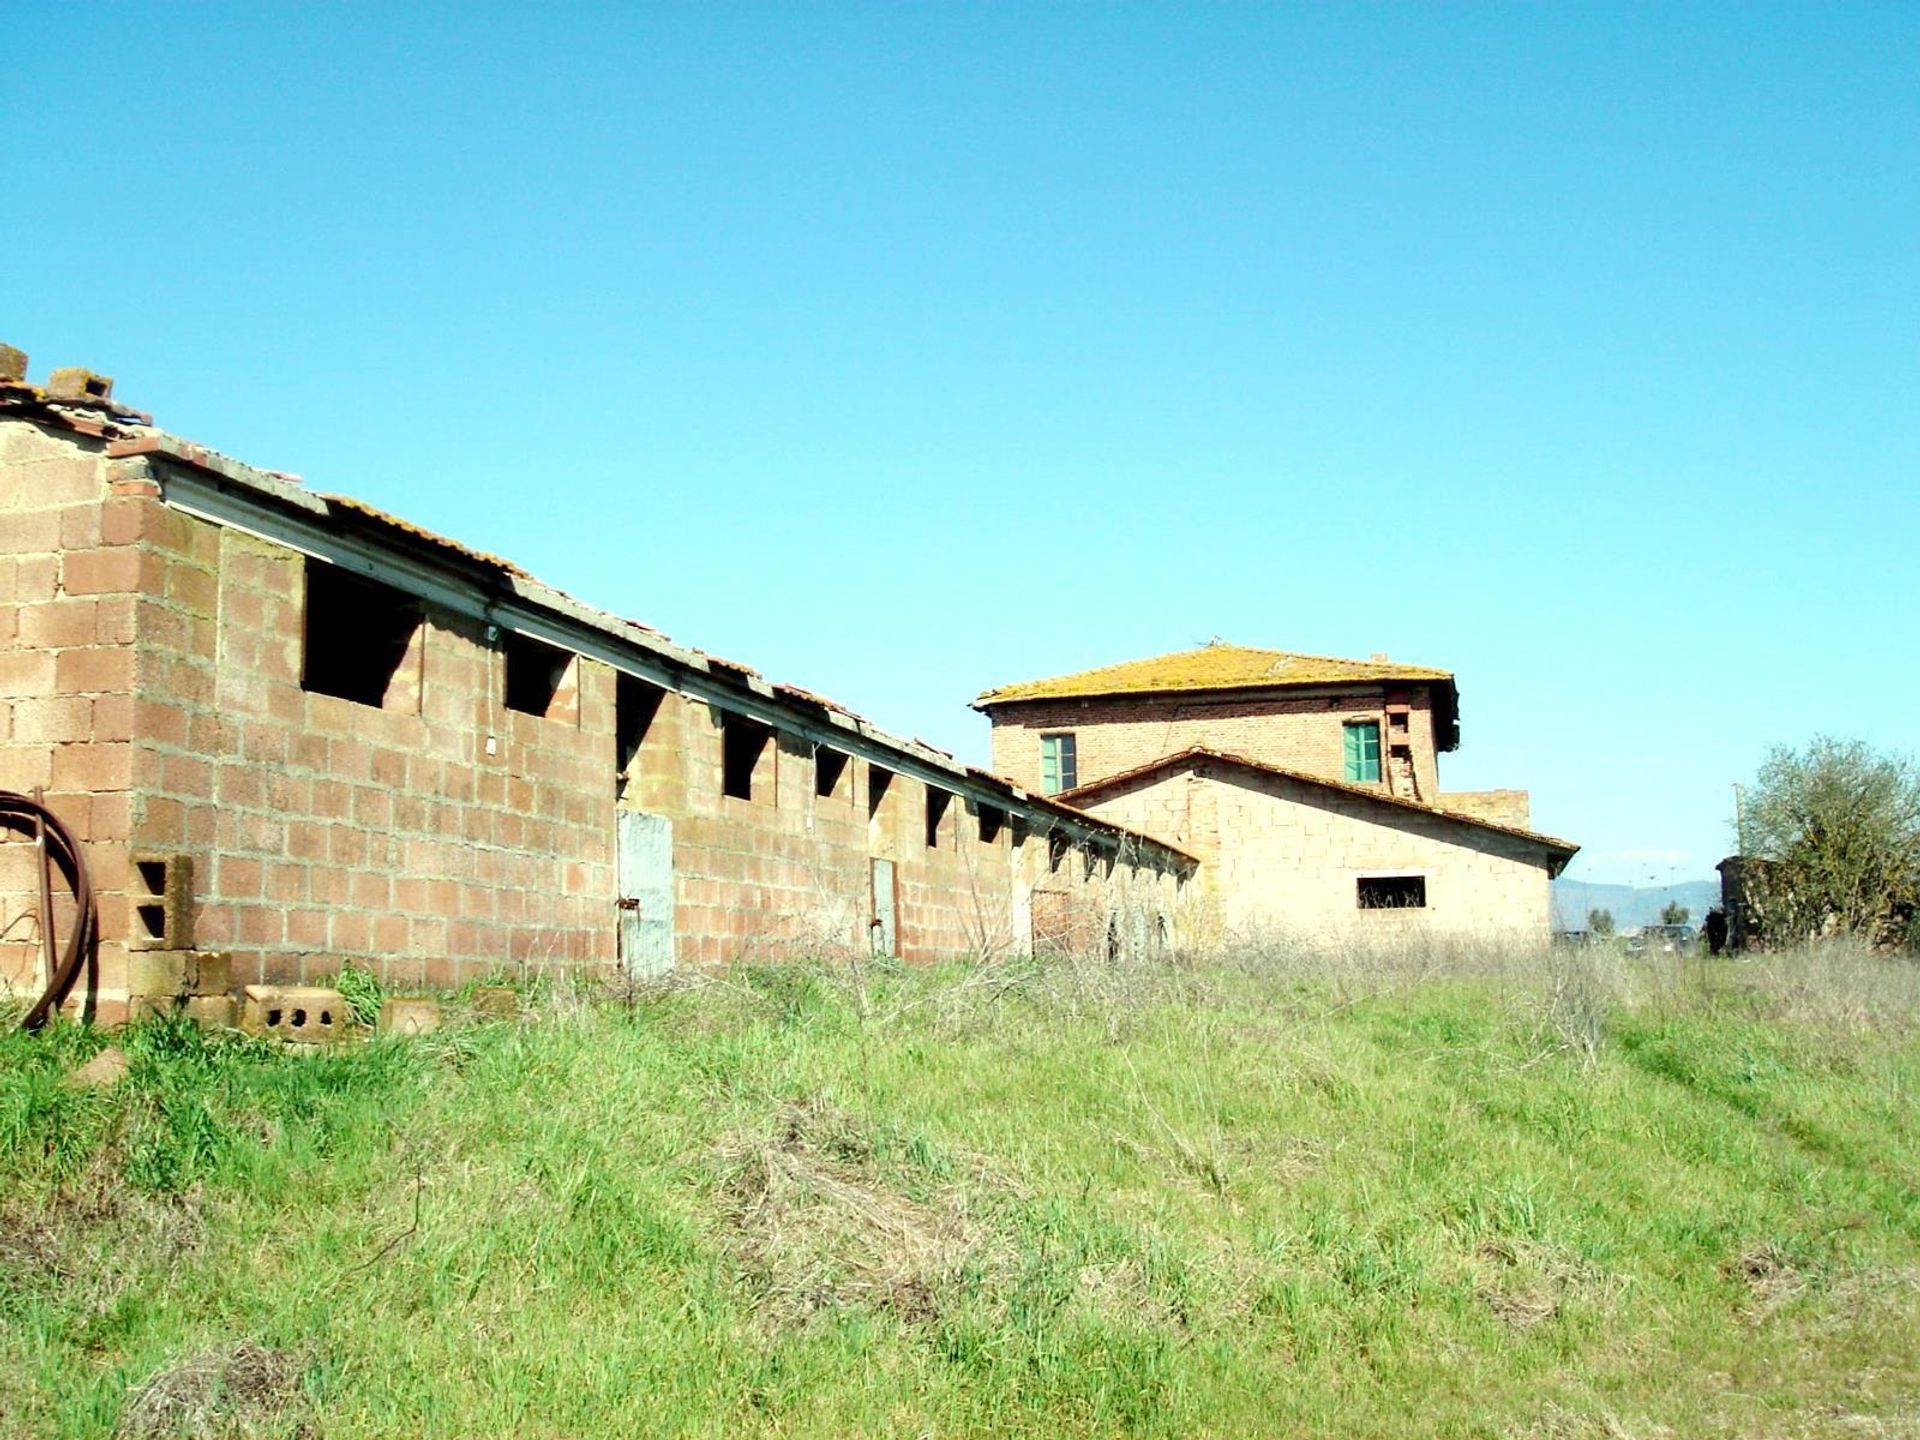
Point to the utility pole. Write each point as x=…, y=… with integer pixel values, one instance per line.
x=1739, y=823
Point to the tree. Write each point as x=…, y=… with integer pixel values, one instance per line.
x=1839, y=825
x=1600, y=922
x=1674, y=913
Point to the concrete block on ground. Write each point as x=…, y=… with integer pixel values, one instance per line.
x=300, y=1014
x=179, y=972
x=102, y=1072
x=209, y=1012
x=409, y=1015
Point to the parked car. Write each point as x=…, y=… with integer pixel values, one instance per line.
x=1665, y=939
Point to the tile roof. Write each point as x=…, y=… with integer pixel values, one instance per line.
x=1220, y=668
x=1211, y=667
x=131, y=433
x=1565, y=850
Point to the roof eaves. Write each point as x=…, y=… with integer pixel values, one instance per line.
x=342, y=511
x=1200, y=754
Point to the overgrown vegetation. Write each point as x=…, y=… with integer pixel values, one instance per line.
x=1290, y=1191
x=1838, y=824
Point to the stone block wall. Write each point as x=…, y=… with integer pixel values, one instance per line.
x=1302, y=732
x=1284, y=855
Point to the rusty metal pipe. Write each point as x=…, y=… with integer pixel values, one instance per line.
x=55, y=845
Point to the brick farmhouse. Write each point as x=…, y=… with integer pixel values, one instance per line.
x=1307, y=786
x=291, y=731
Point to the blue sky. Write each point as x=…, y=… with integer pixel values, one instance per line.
x=907, y=350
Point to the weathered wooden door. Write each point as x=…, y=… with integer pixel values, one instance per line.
x=885, y=924
x=645, y=873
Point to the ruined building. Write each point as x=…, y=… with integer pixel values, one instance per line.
x=290, y=731
x=1308, y=787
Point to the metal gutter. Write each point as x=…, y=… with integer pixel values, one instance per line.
x=287, y=515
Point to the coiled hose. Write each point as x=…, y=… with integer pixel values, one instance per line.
x=57, y=848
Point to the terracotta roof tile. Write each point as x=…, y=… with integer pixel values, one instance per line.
x=1212, y=667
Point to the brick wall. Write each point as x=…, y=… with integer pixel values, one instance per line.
x=439, y=836
x=1297, y=731
x=1283, y=855
x=72, y=558
x=788, y=870
x=157, y=674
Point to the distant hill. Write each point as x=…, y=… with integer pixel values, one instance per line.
x=1632, y=905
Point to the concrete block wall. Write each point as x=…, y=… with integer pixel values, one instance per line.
x=437, y=838
x=73, y=559
x=1296, y=731
x=787, y=870
x=1284, y=855
x=151, y=679
x=1502, y=807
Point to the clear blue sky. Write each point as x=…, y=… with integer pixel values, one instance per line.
x=903, y=351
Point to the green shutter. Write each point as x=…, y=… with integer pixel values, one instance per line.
x=1363, y=751
x=1057, y=768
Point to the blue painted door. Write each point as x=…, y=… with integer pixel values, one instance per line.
x=886, y=941
x=644, y=864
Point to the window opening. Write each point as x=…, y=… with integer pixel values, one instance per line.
x=992, y=819
x=636, y=704
x=742, y=743
x=356, y=634
x=937, y=802
x=1392, y=892
x=1056, y=850
x=828, y=767
x=877, y=782
x=1059, y=769
x=1363, y=751
x=535, y=673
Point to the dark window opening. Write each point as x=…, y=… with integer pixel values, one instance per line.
x=1393, y=892
x=992, y=818
x=828, y=767
x=636, y=705
x=937, y=802
x=357, y=634
x=535, y=673
x=877, y=782
x=1056, y=851
x=743, y=742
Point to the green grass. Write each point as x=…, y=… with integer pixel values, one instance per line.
x=1249, y=1199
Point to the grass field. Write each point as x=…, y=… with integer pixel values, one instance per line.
x=1280, y=1193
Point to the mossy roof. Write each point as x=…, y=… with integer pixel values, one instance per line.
x=1213, y=667
x=1220, y=668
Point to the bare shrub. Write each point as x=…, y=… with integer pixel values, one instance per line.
x=819, y=1224
x=1583, y=983
x=1838, y=983
x=221, y=1392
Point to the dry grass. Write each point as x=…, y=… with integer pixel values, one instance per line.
x=819, y=1223
x=231, y=1391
